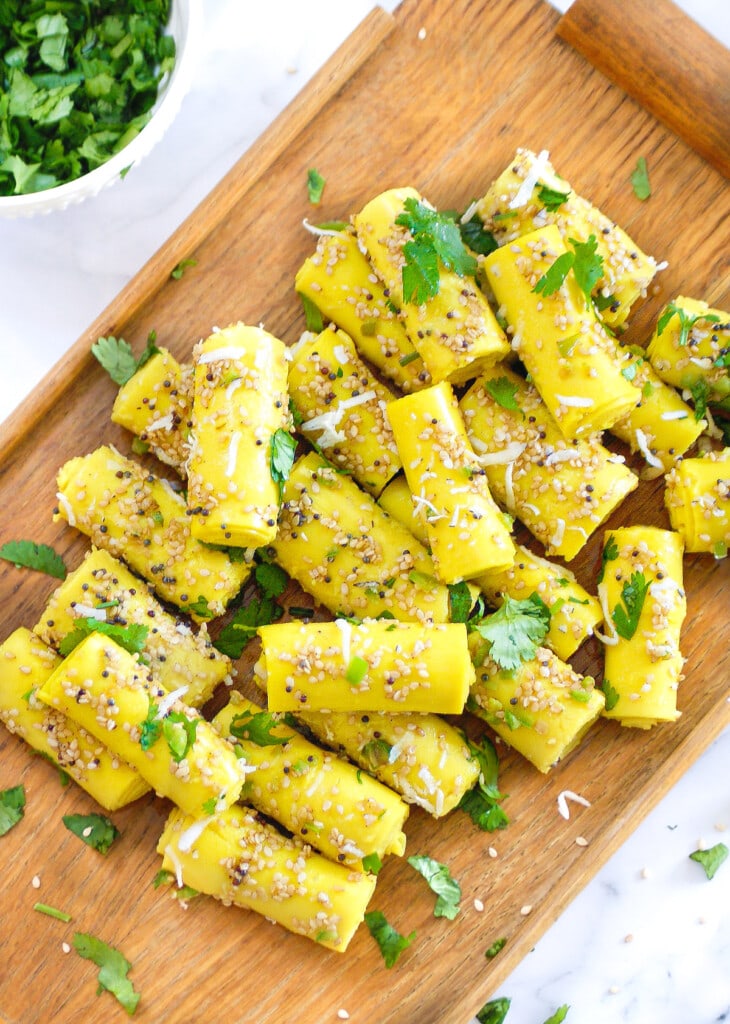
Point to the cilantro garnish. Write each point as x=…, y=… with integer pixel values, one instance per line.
x=436, y=237
x=63, y=777
x=258, y=612
x=711, y=859
x=495, y=948
x=504, y=393
x=180, y=269
x=315, y=186
x=551, y=198
x=494, y=1011
x=633, y=593
x=26, y=554
x=481, y=802
x=96, y=830
x=132, y=637
x=440, y=881
x=515, y=630
x=281, y=460
x=584, y=261
x=179, y=732
x=686, y=321
x=390, y=942
x=256, y=727
x=113, y=968
x=700, y=394
x=609, y=554
x=640, y=179
x=182, y=892
x=601, y=301
x=629, y=372
x=151, y=727
x=12, y=807
x=377, y=752
x=559, y=1016
x=372, y=863
x=117, y=358
x=199, y=607
x=210, y=805
x=271, y=578
x=312, y=315
x=459, y=601
x=476, y=237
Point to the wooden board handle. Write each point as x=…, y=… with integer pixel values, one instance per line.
x=665, y=61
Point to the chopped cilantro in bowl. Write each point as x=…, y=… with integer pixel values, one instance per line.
x=85, y=96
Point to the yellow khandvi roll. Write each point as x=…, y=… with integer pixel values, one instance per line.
x=378, y=665
x=106, y=691
x=697, y=497
x=455, y=330
x=661, y=426
x=243, y=861
x=102, y=588
x=690, y=347
x=573, y=362
x=240, y=412
x=562, y=491
x=529, y=195
x=348, y=554
x=644, y=607
x=155, y=404
x=345, y=814
x=338, y=279
x=466, y=531
x=25, y=665
x=342, y=408
x=542, y=708
x=139, y=517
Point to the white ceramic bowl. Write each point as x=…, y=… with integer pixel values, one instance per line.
x=185, y=25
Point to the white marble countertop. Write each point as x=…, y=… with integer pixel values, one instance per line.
x=648, y=940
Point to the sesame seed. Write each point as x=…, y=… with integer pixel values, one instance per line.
x=614, y=989
x=36, y=882
x=478, y=905
x=527, y=909
x=343, y=1015
x=492, y=852
x=646, y=873
x=581, y=841
x=628, y=938
x=422, y=33
x=65, y=947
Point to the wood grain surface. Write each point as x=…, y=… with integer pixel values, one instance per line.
x=444, y=113
x=665, y=60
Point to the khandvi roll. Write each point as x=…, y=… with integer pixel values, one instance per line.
x=342, y=408
x=106, y=691
x=466, y=531
x=138, y=517
x=348, y=554
x=644, y=607
x=155, y=404
x=542, y=708
x=341, y=283
x=453, y=328
x=690, y=348
x=378, y=665
x=660, y=426
x=697, y=497
x=240, y=412
x=25, y=665
x=573, y=363
x=326, y=801
x=241, y=860
x=423, y=757
x=103, y=589
x=529, y=195
x=562, y=491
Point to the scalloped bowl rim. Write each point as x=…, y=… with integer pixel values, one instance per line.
x=185, y=24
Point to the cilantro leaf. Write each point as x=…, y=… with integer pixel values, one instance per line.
x=117, y=358
x=271, y=578
x=113, y=968
x=700, y=394
x=179, y=732
x=96, y=830
x=711, y=859
x=200, y=606
x=26, y=554
x=440, y=881
x=180, y=892
x=609, y=554
x=132, y=637
x=494, y=1011
x=476, y=237
x=686, y=321
x=559, y=1016
x=459, y=601
x=588, y=265
x=633, y=593
x=312, y=316
x=481, y=802
x=551, y=198
x=504, y=392
x=256, y=727
x=258, y=612
x=495, y=948
x=640, y=180
x=515, y=630
x=181, y=267
x=12, y=807
x=435, y=237
x=281, y=459
x=372, y=863
x=151, y=727
x=390, y=942
x=552, y=280
x=611, y=694
x=315, y=186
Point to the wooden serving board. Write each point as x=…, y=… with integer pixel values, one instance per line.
x=444, y=113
